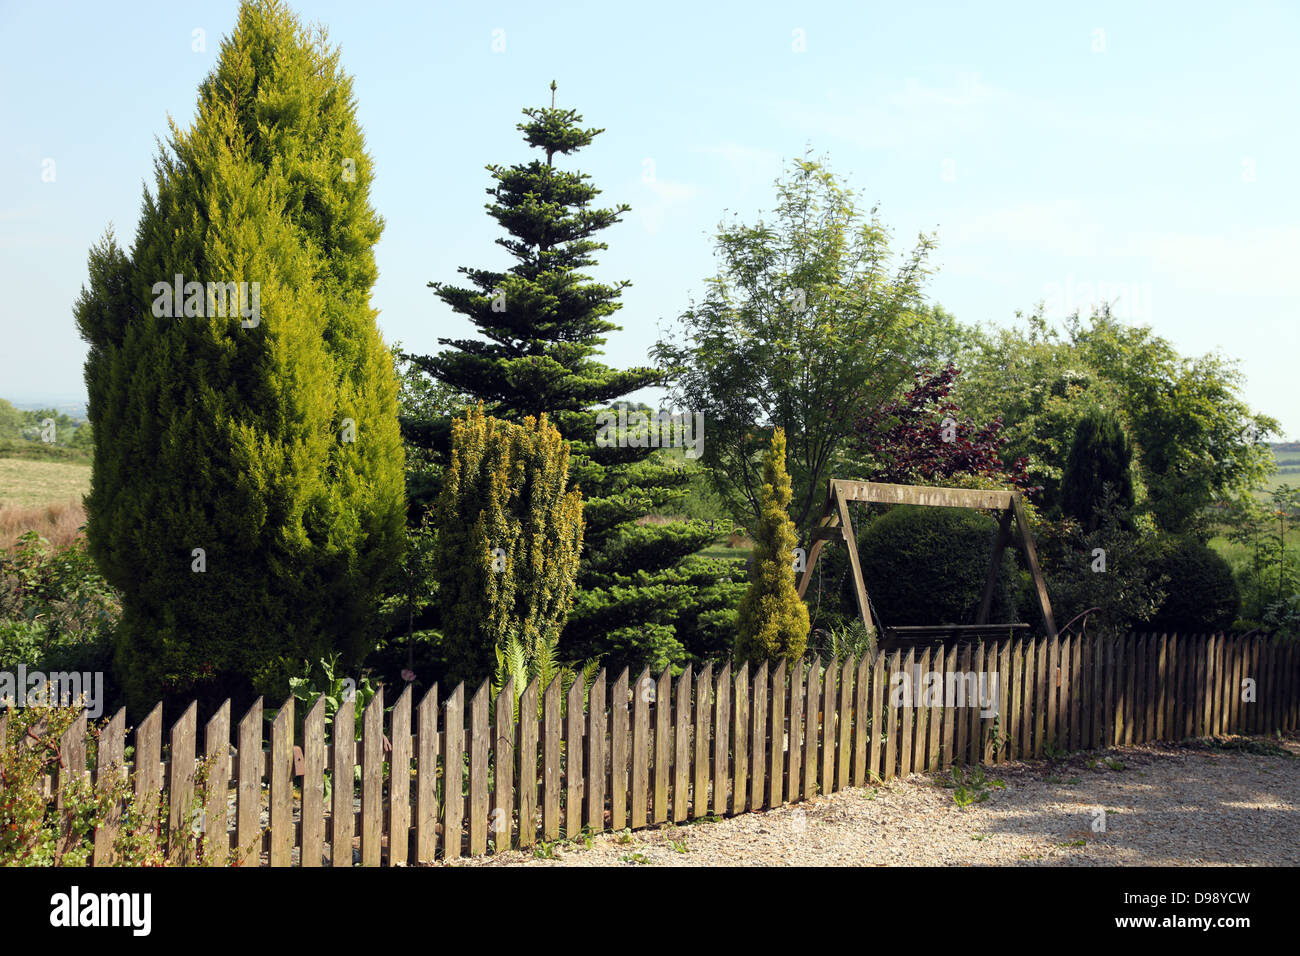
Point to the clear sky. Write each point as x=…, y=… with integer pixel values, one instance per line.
x=1061, y=151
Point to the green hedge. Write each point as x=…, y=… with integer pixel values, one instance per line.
x=925, y=565
x=1202, y=596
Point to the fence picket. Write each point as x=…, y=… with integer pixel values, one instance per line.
x=551, y=763
x=776, y=765
x=399, y=782
x=935, y=719
x=595, y=757
x=663, y=743
x=313, y=786
x=641, y=747
x=372, y=780
x=574, y=721
x=812, y=732
x=794, y=770
x=877, y=682
x=892, y=716
x=618, y=727
x=109, y=761
x=757, y=737
x=343, y=777
x=503, y=768
x=479, y=747
x=453, y=774
x=682, y=746
x=961, y=712
x=829, y=679
x=426, y=794
x=722, y=741
x=907, y=711
x=740, y=740
x=860, y=720
x=703, y=712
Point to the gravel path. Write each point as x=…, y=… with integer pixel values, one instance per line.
x=1164, y=805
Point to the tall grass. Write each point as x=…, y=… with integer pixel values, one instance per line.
x=59, y=523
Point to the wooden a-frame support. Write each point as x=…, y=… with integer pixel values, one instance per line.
x=836, y=525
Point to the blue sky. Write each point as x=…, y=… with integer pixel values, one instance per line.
x=1062, y=152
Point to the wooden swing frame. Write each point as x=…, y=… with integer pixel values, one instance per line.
x=836, y=525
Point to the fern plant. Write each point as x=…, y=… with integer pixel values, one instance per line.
x=522, y=660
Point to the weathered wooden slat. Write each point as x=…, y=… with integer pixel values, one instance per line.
x=72, y=751
x=794, y=768
x=343, y=782
x=618, y=728
x=892, y=717
x=399, y=781
x=575, y=721
x=894, y=494
x=597, y=727
x=920, y=711
x=280, y=790
x=109, y=761
x=934, y=720
x=861, y=720
x=480, y=745
x=551, y=762
x=905, y=713
x=1076, y=694
x=722, y=742
x=1161, y=644
x=1171, y=686
x=248, y=792
x=453, y=773
x=961, y=713
x=372, y=780
x=740, y=740
x=703, y=713
x=829, y=682
x=148, y=762
x=663, y=743
x=757, y=738
x=1064, y=727
x=313, y=785
x=1014, y=676
x=1255, y=711
x=1004, y=700
x=682, y=746
x=979, y=724
x=845, y=729
x=812, y=726
x=527, y=765
x=426, y=794
x=776, y=760
x=644, y=695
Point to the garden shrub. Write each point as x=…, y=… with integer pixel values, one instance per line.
x=1201, y=594
x=773, y=620
x=926, y=565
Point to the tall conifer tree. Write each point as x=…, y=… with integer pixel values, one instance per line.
x=642, y=599
x=247, y=491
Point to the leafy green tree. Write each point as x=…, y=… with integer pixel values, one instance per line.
x=773, y=621
x=802, y=327
x=247, y=490
x=543, y=322
x=1099, y=456
x=508, y=535
x=1195, y=442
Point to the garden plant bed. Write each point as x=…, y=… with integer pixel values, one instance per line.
x=1230, y=802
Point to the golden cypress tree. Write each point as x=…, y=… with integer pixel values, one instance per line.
x=508, y=535
x=773, y=620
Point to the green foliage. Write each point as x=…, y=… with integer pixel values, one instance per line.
x=35, y=831
x=1202, y=595
x=229, y=432
x=545, y=323
x=323, y=680
x=523, y=663
x=773, y=620
x=1195, y=441
x=849, y=639
x=509, y=532
x=802, y=327
x=926, y=565
x=57, y=614
x=1099, y=456
x=1106, y=571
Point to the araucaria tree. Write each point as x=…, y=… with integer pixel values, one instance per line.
x=508, y=535
x=247, y=492
x=773, y=621
x=642, y=598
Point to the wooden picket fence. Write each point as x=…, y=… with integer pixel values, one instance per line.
x=645, y=751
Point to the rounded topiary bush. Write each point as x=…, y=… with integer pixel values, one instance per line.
x=925, y=565
x=1201, y=595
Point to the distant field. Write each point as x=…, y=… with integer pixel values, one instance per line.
x=30, y=482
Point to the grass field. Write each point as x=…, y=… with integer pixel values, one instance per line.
x=31, y=482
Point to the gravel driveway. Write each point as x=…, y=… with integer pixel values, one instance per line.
x=1237, y=803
